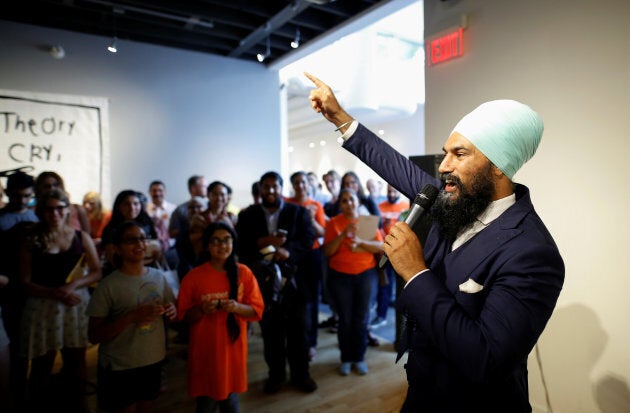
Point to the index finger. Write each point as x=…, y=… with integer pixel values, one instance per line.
x=313, y=79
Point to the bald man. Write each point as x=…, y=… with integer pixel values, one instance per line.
x=481, y=289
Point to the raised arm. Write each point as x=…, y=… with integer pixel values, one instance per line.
x=323, y=101
x=395, y=168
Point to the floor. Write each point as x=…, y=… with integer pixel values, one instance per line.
x=381, y=390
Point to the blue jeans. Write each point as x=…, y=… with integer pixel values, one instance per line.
x=351, y=294
x=386, y=293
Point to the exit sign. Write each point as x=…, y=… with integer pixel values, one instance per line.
x=445, y=48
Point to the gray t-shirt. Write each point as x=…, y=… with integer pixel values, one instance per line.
x=136, y=345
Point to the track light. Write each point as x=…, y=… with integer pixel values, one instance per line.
x=296, y=42
x=57, y=52
x=261, y=57
x=113, y=46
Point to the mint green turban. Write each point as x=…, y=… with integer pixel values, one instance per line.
x=507, y=132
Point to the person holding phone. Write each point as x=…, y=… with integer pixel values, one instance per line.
x=287, y=228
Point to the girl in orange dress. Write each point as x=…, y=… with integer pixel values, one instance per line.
x=217, y=299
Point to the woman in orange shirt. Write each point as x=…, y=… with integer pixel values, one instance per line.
x=352, y=276
x=217, y=299
x=98, y=216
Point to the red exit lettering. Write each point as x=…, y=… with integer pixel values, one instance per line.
x=446, y=47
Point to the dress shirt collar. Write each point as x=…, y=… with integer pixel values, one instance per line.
x=492, y=212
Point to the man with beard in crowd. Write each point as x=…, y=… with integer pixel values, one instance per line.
x=481, y=289
x=274, y=238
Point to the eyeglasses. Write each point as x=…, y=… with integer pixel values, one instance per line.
x=55, y=208
x=134, y=240
x=218, y=241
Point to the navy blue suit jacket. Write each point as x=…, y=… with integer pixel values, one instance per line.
x=468, y=351
x=252, y=225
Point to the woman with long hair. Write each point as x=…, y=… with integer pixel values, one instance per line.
x=352, y=277
x=128, y=206
x=218, y=198
x=57, y=264
x=98, y=216
x=48, y=180
x=217, y=299
x=367, y=206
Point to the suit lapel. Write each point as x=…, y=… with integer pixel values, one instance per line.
x=463, y=263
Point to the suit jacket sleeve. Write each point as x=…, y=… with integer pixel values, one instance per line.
x=301, y=235
x=250, y=226
x=388, y=163
x=488, y=333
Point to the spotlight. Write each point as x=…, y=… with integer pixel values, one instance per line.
x=57, y=52
x=296, y=42
x=261, y=57
x=112, y=47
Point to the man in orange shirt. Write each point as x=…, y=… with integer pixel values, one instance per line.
x=313, y=269
x=390, y=214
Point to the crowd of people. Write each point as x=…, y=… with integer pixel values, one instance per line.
x=479, y=282
x=81, y=274
x=479, y=287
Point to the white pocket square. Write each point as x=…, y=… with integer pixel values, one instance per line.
x=470, y=287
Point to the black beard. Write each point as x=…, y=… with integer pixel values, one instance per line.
x=274, y=204
x=452, y=216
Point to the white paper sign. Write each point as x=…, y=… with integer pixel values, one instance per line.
x=65, y=134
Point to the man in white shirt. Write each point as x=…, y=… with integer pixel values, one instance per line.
x=159, y=208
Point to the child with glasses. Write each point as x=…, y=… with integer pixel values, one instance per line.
x=216, y=299
x=127, y=312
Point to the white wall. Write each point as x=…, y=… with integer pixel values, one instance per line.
x=406, y=134
x=172, y=113
x=569, y=60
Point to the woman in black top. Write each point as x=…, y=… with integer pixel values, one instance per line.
x=128, y=206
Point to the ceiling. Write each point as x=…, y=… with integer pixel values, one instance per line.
x=233, y=28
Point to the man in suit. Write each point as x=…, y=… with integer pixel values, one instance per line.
x=285, y=230
x=482, y=287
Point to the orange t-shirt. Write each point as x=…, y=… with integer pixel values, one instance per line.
x=216, y=365
x=391, y=212
x=345, y=260
x=97, y=225
x=320, y=216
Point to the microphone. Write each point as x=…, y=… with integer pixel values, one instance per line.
x=422, y=203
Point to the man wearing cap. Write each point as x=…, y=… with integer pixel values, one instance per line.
x=481, y=289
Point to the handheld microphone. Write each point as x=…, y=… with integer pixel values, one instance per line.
x=419, y=208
